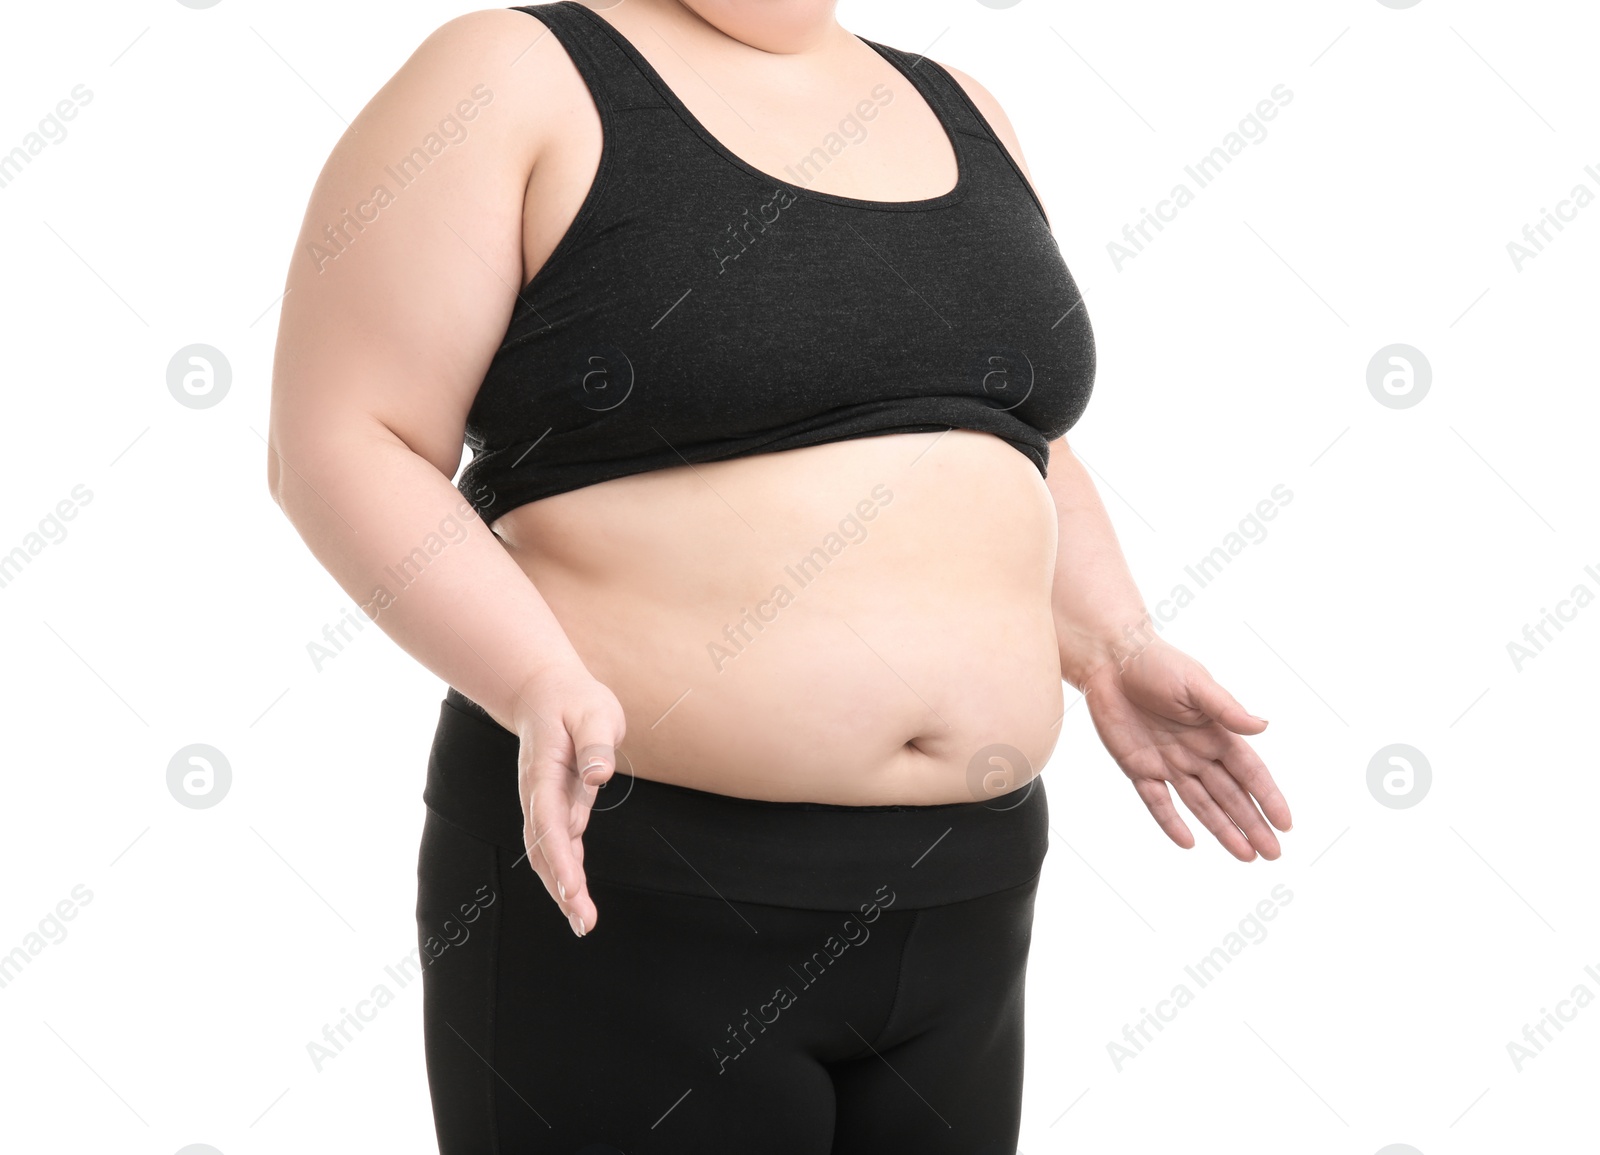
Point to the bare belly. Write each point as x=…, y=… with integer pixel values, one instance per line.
x=853, y=623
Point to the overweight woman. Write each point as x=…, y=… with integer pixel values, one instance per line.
x=756, y=597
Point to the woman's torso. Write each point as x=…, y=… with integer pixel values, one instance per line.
x=865, y=621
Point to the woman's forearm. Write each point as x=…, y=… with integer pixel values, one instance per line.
x=1098, y=610
x=404, y=543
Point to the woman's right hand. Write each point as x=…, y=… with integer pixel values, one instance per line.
x=569, y=727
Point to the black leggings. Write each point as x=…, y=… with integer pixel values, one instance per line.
x=774, y=977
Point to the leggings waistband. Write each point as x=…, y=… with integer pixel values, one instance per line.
x=804, y=855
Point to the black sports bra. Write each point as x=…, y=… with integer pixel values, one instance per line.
x=698, y=309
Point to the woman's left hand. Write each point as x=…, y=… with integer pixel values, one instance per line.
x=1167, y=722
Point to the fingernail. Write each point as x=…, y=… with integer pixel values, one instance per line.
x=561, y=889
x=577, y=926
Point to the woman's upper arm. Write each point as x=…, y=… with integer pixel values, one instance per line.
x=410, y=254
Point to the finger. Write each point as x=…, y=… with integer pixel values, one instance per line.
x=597, y=762
x=1251, y=772
x=1159, y=802
x=1240, y=808
x=595, y=738
x=535, y=830
x=552, y=818
x=530, y=847
x=570, y=887
x=1203, y=807
x=1215, y=702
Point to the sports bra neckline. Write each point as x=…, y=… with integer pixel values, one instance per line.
x=952, y=196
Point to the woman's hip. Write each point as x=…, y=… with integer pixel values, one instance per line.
x=801, y=855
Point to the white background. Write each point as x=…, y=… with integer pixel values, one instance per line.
x=1233, y=358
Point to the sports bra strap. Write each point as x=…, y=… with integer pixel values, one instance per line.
x=947, y=98
x=614, y=80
